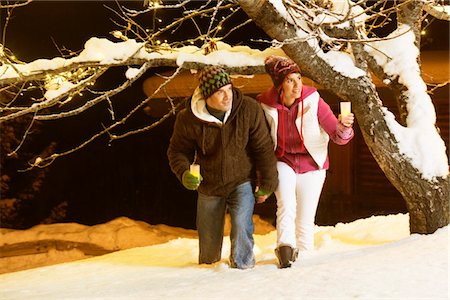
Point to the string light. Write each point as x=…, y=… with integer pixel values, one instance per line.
x=55, y=82
x=155, y=3
x=118, y=34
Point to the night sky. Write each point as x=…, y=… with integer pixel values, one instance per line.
x=130, y=177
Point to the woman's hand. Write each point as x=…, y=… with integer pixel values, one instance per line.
x=347, y=120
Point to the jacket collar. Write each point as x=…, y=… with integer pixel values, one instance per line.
x=198, y=107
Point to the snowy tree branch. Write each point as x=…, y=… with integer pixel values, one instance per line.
x=439, y=11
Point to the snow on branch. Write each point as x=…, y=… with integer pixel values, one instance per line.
x=104, y=54
x=441, y=12
x=398, y=58
x=334, y=29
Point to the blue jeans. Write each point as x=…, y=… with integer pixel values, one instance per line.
x=210, y=225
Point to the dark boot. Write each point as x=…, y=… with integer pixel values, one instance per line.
x=286, y=255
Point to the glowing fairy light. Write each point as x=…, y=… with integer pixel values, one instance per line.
x=155, y=3
x=118, y=34
x=38, y=160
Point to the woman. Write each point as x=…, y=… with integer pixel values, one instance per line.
x=301, y=124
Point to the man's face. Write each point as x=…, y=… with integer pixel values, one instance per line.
x=222, y=99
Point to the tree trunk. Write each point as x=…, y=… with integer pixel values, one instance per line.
x=427, y=201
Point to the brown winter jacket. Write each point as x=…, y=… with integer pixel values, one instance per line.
x=229, y=153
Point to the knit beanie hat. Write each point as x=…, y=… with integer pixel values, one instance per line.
x=278, y=67
x=211, y=79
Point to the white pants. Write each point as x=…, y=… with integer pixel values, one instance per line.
x=297, y=199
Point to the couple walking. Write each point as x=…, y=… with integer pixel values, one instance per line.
x=249, y=149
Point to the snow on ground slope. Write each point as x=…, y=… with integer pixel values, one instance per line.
x=373, y=258
x=50, y=244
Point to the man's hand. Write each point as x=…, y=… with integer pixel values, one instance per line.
x=190, y=181
x=261, y=195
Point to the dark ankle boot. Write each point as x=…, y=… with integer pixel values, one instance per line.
x=286, y=255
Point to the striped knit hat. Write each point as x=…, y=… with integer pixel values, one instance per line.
x=211, y=79
x=278, y=67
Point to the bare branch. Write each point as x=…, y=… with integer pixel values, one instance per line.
x=42, y=162
x=16, y=4
x=14, y=152
x=105, y=96
x=52, y=100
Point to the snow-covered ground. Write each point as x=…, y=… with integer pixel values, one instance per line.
x=372, y=258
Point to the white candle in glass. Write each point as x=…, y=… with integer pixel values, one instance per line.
x=195, y=170
x=346, y=108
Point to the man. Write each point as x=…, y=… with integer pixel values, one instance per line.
x=227, y=135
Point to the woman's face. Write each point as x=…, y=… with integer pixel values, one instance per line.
x=292, y=86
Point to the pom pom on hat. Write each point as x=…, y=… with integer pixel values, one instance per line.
x=278, y=67
x=211, y=79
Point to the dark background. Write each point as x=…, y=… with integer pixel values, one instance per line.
x=129, y=177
